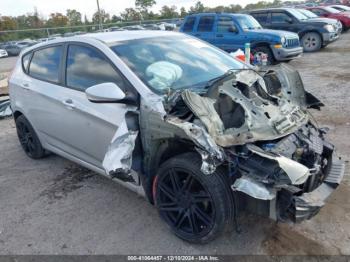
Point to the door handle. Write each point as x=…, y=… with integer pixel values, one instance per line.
x=25, y=86
x=219, y=35
x=68, y=103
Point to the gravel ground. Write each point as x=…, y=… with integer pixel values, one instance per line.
x=53, y=206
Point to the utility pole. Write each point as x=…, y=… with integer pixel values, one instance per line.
x=99, y=15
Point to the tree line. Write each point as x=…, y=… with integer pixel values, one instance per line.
x=74, y=18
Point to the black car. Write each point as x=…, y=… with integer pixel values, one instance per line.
x=313, y=34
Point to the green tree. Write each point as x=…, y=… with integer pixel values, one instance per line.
x=57, y=20
x=74, y=17
x=168, y=12
x=144, y=4
x=197, y=8
x=105, y=18
x=130, y=14
x=183, y=12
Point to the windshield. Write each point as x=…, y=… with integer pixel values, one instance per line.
x=307, y=13
x=297, y=14
x=341, y=7
x=248, y=22
x=331, y=10
x=174, y=62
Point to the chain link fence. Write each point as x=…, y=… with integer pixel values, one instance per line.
x=49, y=32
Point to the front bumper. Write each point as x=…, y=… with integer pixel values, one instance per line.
x=329, y=37
x=283, y=54
x=296, y=207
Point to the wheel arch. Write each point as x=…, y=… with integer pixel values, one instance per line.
x=163, y=150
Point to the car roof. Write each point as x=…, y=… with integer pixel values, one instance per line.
x=271, y=9
x=109, y=37
x=117, y=36
x=219, y=13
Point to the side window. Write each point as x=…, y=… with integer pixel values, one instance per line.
x=318, y=12
x=261, y=17
x=206, y=24
x=224, y=24
x=188, y=26
x=45, y=64
x=87, y=67
x=25, y=62
x=279, y=17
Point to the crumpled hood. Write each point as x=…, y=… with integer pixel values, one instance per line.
x=244, y=108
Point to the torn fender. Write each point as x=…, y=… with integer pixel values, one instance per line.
x=118, y=158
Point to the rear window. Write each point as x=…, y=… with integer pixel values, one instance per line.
x=261, y=17
x=188, y=26
x=206, y=24
x=45, y=64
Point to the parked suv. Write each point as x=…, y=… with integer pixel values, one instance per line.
x=197, y=132
x=231, y=31
x=313, y=34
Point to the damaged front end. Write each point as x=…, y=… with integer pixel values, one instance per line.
x=257, y=125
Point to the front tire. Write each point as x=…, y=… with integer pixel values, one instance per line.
x=28, y=138
x=311, y=42
x=266, y=50
x=197, y=207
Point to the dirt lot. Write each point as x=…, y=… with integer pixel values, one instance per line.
x=53, y=206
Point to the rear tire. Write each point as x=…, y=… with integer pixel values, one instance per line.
x=197, y=207
x=28, y=138
x=264, y=49
x=311, y=42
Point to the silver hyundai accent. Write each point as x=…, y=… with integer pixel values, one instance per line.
x=201, y=135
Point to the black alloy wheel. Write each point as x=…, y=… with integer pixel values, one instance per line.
x=193, y=204
x=28, y=138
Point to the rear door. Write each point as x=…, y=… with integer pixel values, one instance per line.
x=205, y=28
x=224, y=38
x=262, y=18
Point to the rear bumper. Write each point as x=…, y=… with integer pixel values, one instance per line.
x=296, y=208
x=283, y=54
x=329, y=37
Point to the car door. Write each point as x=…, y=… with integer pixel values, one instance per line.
x=225, y=38
x=69, y=121
x=262, y=18
x=205, y=28
x=281, y=20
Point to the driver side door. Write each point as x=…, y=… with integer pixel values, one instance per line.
x=86, y=128
x=224, y=38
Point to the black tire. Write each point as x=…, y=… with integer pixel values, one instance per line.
x=197, y=207
x=264, y=49
x=311, y=42
x=28, y=138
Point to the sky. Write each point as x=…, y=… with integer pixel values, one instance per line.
x=88, y=7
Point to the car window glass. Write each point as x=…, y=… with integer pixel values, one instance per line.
x=261, y=17
x=205, y=24
x=25, y=62
x=45, y=64
x=188, y=26
x=87, y=67
x=224, y=24
x=279, y=18
x=319, y=12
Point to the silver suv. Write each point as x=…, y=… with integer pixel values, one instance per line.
x=198, y=133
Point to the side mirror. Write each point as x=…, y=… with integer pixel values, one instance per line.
x=104, y=93
x=289, y=20
x=233, y=29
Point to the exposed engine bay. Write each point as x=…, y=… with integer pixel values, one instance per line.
x=258, y=126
